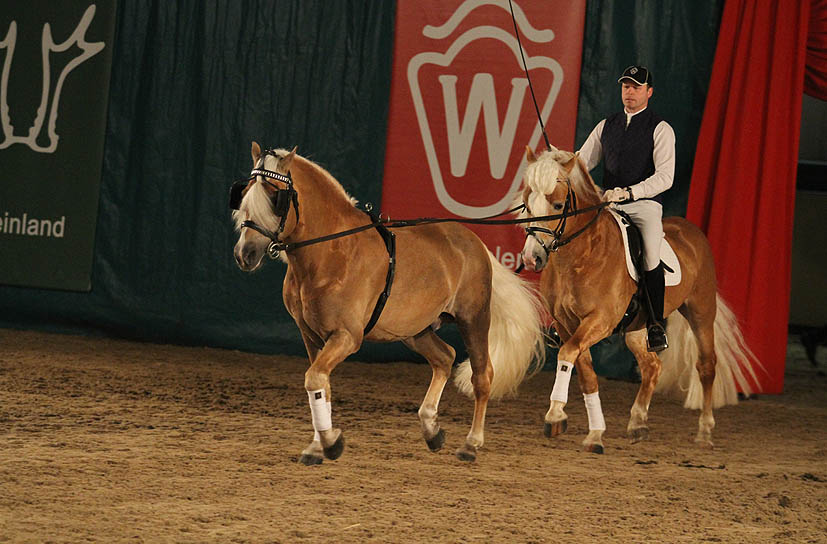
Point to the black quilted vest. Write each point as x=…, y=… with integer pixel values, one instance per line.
x=627, y=151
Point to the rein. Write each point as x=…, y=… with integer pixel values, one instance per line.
x=278, y=245
x=285, y=197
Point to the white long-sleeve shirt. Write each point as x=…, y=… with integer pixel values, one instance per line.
x=663, y=156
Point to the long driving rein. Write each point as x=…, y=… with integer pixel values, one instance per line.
x=284, y=197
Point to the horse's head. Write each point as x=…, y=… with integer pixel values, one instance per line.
x=263, y=205
x=555, y=182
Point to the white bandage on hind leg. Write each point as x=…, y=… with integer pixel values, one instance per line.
x=560, y=391
x=595, y=412
x=320, y=410
x=316, y=436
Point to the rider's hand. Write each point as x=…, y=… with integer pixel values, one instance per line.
x=618, y=194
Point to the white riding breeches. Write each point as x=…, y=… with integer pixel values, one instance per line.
x=648, y=217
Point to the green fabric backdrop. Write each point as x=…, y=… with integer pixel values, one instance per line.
x=193, y=82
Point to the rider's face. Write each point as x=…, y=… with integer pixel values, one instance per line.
x=635, y=97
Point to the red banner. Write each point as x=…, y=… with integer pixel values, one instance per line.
x=461, y=111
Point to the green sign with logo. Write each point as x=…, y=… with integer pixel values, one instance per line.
x=55, y=59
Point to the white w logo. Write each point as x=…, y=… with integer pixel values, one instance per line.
x=483, y=97
x=481, y=100
x=46, y=106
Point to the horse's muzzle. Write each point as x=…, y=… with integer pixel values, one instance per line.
x=247, y=258
x=534, y=260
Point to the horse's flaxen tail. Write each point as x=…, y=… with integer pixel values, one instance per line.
x=735, y=361
x=516, y=338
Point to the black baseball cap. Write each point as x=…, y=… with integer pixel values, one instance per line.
x=639, y=74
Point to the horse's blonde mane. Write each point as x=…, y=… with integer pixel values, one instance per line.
x=270, y=161
x=256, y=203
x=542, y=174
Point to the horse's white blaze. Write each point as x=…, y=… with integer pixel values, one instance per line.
x=537, y=203
x=531, y=248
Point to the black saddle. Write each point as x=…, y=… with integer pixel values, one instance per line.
x=636, y=252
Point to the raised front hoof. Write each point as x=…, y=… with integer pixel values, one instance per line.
x=436, y=442
x=467, y=453
x=310, y=460
x=636, y=435
x=555, y=429
x=593, y=448
x=335, y=451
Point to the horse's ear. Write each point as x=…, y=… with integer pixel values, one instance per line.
x=569, y=166
x=255, y=151
x=288, y=159
x=529, y=155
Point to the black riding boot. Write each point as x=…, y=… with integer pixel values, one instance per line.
x=656, y=325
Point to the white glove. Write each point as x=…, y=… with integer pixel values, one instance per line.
x=618, y=194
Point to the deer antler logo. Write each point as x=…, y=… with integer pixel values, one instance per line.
x=49, y=46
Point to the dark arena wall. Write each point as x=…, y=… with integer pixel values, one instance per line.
x=192, y=84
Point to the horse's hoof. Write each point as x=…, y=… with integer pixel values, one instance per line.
x=704, y=442
x=437, y=441
x=467, y=453
x=555, y=429
x=335, y=451
x=636, y=435
x=594, y=448
x=310, y=460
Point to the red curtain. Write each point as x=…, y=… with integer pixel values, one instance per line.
x=743, y=180
x=815, y=74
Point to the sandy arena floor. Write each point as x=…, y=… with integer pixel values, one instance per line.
x=114, y=441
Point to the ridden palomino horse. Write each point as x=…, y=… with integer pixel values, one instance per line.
x=585, y=281
x=334, y=290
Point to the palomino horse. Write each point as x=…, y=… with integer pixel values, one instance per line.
x=436, y=273
x=588, y=289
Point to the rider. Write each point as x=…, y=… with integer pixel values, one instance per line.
x=638, y=148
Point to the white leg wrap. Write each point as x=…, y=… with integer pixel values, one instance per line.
x=320, y=410
x=595, y=412
x=316, y=436
x=560, y=391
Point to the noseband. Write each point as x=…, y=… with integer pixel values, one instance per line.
x=557, y=240
x=280, y=201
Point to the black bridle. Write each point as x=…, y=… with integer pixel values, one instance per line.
x=558, y=238
x=280, y=201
